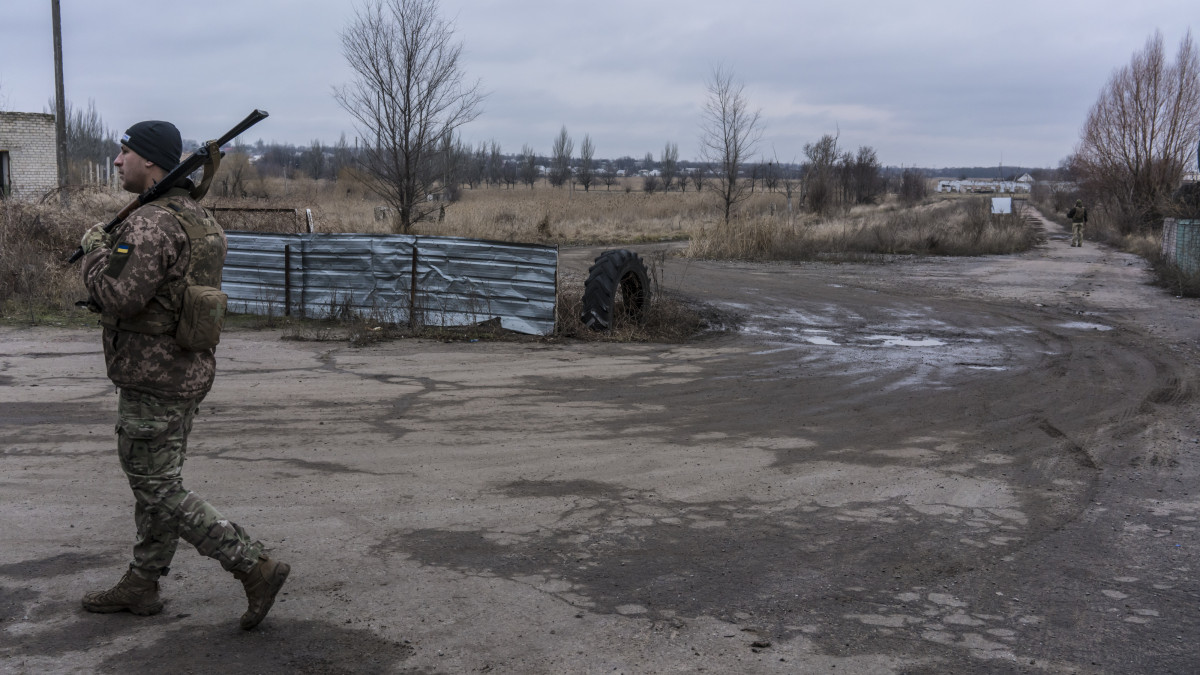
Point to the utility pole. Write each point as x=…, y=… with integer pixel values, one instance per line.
x=60, y=105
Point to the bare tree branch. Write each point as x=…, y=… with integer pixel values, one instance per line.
x=409, y=95
x=729, y=132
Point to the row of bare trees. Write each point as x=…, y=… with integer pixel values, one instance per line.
x=90, y=143
x=410, y=96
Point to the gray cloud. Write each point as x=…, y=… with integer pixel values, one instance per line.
x=929, y=84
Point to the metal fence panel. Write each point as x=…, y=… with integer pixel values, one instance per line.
x=1181, y=244
x=457, y=281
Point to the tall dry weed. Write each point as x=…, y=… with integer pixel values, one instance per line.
x=35, y=241
x=546, y=215
x=951, y=227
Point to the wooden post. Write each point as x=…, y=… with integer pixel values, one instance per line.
x=60, y=105
x=287, y=280
x=412, y=291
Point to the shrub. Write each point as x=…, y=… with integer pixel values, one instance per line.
x=35, y=242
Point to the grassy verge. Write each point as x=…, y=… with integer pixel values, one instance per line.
x=942, y=227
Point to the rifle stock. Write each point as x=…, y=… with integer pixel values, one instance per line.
x=183, y=170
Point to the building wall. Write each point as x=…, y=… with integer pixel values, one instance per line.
x=28, y=138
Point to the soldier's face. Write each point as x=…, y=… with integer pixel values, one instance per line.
x=135, y=171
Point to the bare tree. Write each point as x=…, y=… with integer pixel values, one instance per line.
x=312, y=160
x=608, y=176
x=495, y=163
x=728, y=133
x=509, y=173
x=650, y=183
x=1141, y=133
x=587, y=170
x=669, y=165
x=819, y=174
x=913, y=186
x=560, y=158
x=770, y=175
x=342, y=157
x=529, y=170
x=868, y=182
x=409, y=93
x=700, y=177
x=787, y=181
x=89, y=140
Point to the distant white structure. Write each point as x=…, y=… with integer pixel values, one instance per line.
x=979, y=186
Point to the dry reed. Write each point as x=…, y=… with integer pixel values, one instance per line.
x=952, y=227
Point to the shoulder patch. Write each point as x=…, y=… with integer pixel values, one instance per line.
x=118, y=259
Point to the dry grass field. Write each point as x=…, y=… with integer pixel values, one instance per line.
x=35, y=239
x=764, y=229
x=620, y=214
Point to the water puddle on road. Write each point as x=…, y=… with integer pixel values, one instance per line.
x=1084, y=325
x=902, y=341
x=904, y=348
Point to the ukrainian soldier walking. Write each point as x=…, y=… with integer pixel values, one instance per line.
x=1078, y=216
x=137, y=278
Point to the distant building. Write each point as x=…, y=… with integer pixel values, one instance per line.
x=979, y=186
x=28, y=158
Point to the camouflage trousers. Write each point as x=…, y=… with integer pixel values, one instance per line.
x=152, y=444
x=1077, y=234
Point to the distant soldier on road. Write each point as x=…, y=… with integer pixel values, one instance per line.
x=1078, y=215
x=138, y=278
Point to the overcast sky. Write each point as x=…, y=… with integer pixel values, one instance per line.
x=929, y=84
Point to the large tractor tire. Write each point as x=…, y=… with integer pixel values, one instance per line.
x=617, y=287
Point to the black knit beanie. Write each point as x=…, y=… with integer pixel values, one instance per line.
x=155, y=141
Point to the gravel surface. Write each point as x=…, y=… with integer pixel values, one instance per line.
x=975, y=465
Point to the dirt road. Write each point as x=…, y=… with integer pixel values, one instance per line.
x=976, y=465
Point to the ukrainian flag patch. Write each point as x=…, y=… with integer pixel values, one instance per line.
x=118, y=260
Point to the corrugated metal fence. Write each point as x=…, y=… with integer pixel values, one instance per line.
x=1181, y=244
x=428, y=281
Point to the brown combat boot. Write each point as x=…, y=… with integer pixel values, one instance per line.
x=132, y=593
x=262, y=584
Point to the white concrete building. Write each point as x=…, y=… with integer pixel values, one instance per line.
x=28, y=160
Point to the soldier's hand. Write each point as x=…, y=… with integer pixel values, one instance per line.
x=94, y=238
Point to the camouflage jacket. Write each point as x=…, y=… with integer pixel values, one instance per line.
x=148, y=251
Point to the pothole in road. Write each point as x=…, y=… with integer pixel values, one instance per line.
x=1084, y=325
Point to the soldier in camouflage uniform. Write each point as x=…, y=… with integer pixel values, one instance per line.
x=135, y=277
x=1078, y=215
